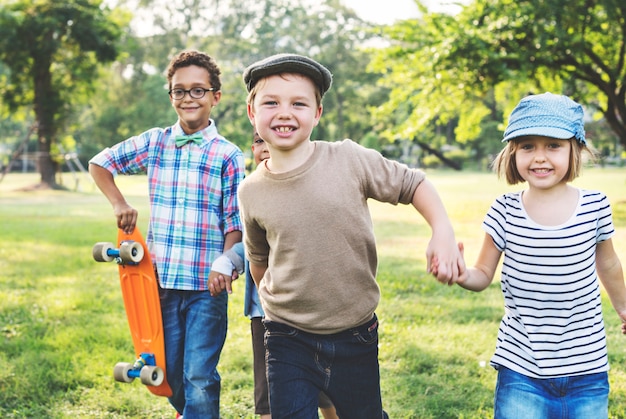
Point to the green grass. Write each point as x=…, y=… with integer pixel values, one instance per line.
x=63, y=327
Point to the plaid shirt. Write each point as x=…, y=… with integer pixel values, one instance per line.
x=193, y=198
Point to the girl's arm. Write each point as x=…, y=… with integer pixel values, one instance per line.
x=480, y=276
x=610, y=272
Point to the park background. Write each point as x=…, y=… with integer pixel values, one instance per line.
x=63, y=326
x=431, y=90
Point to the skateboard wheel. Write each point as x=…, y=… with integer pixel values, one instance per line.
x=120, y=372
x=151, y=375
x=131, y=252
x=100, y=252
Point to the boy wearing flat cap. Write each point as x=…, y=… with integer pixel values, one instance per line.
x=310, y=243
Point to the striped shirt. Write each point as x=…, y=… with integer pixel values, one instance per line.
x=193, y=198
x=552, y=325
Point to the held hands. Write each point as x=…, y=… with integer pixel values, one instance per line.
x=450, y=270
x=219, y=282
x=126, y=217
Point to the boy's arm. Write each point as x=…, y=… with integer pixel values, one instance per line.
x=125, y=214
x=231, y=238
x=257, y=271
x=480, y=276
x=611, y=275
x=442, y=247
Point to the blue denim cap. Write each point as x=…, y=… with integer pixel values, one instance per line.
x=547, y=115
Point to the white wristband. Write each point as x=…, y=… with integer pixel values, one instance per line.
x=223, y=265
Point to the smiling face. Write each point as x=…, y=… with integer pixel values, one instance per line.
x=543, y=162
x=284, y=111
x=193, y=113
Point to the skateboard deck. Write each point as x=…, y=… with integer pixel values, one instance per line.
x=143, y=310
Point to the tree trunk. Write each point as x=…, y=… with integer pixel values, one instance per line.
x=46, y=166
x=44, y=105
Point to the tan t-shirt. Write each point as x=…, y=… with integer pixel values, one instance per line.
x=313, y=228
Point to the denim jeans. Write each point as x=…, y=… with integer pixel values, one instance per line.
x=343, y=365
x=574, y=397
x=194, y=330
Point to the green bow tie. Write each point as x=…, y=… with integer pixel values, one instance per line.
x=181, y=140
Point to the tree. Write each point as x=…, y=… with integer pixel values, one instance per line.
x=241, y=32
x=582, y=42
x=482, y=61
x=53, y=50
x=431, y=104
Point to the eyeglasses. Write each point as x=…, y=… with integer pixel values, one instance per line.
x=195, y=93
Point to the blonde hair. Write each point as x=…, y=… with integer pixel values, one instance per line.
x=504, y=163
x=253, y=92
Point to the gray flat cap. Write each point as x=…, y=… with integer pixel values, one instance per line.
x=288, y=63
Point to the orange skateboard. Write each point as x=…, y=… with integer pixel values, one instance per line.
x=143, y=309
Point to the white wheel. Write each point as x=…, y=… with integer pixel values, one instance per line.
x=99, y=252
x=151, y=375
x=131, y=252
x=120, y=372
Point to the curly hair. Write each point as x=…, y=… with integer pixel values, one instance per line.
x=200, y=59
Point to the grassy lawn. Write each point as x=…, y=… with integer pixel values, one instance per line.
x=63, y=327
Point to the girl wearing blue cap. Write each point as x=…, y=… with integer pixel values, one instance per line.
x=551, y=353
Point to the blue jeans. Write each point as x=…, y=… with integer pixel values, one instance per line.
x=194, y=330
x=342, y=365
x=574, y=397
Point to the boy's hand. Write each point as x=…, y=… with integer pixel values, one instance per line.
x=219, y=282
x=126, y=217
x=463, y=273
x=446, y=264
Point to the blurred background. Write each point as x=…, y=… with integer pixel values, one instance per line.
x=426, y=83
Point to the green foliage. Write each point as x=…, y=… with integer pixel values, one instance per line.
x=63, y=327
x=129, y=99
x=119, y=110
x=449, y=79
x=52, y=50
x=39, y=37
x=477, y=65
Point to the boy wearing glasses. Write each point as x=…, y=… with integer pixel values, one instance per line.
x=193, y=177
